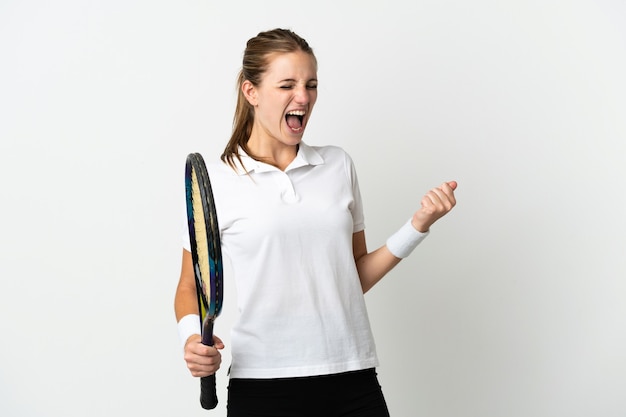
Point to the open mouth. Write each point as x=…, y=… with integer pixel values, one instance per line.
x=294, y=120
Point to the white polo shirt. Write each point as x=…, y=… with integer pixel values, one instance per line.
x=288, y=236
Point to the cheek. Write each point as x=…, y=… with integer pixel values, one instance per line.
x=313, y=97
x=270, y=117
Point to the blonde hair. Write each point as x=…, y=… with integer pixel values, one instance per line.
x=256, y=59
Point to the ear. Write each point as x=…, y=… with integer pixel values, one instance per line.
x=250, y=93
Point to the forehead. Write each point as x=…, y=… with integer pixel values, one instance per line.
x=292, y=65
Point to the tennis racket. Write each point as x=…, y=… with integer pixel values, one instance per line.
x=206, y=252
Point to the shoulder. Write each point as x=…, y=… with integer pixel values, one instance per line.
x=331, y=150
x=333, y=154
x=220, y=168
x=337, y=160
x=221, y=175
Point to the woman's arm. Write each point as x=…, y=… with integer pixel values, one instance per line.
x=373, y=266
x=186, y=301
x=201, y=360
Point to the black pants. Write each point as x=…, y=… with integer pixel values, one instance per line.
x=350, y=394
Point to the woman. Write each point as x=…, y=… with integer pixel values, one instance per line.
x=291, y=221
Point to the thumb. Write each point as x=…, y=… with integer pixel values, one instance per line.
x=452, y=184
x=217, y=343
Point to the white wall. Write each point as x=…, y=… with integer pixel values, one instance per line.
x=514, y=307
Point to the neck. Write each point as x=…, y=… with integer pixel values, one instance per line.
x=273, y=152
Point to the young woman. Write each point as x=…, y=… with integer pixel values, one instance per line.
x=292, y=226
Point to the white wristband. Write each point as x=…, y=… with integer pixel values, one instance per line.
x=188, y=326
x=402, y=243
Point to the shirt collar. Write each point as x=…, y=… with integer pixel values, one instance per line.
x=306, y=156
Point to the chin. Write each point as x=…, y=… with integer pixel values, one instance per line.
x=292, y=138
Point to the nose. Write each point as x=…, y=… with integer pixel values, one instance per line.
x=302, y=95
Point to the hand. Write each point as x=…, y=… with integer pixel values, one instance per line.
x=435, y=204
x=203, y=360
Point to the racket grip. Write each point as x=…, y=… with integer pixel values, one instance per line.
x=208, y=392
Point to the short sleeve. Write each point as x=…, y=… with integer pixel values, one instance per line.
x=358, y=218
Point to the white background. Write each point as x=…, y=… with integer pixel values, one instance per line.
x=515, y=306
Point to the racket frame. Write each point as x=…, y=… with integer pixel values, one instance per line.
x=209, y=299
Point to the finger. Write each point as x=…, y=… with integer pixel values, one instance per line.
x=439, y=198
x=452, y=184
x=199, y=352
x=205, y=365
x=429, y=201
x=217, y=342
x=202, y=362
x=201, y=370
x=448, y=190
x=209, y=351
x=213, y=352
x=435, y=199
x=202, y=357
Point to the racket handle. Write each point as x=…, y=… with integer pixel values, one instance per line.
x=208, y=392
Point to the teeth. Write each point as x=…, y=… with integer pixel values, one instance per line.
x=296, y=113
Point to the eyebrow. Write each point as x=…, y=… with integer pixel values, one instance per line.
x=291, y=80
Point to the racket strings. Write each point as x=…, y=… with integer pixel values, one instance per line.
x=201, y=238
x=208, y=246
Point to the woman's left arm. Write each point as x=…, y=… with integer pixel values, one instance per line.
x=373, y=266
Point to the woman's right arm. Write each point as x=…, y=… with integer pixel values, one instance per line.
x=186, y=301
x=201, y=360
